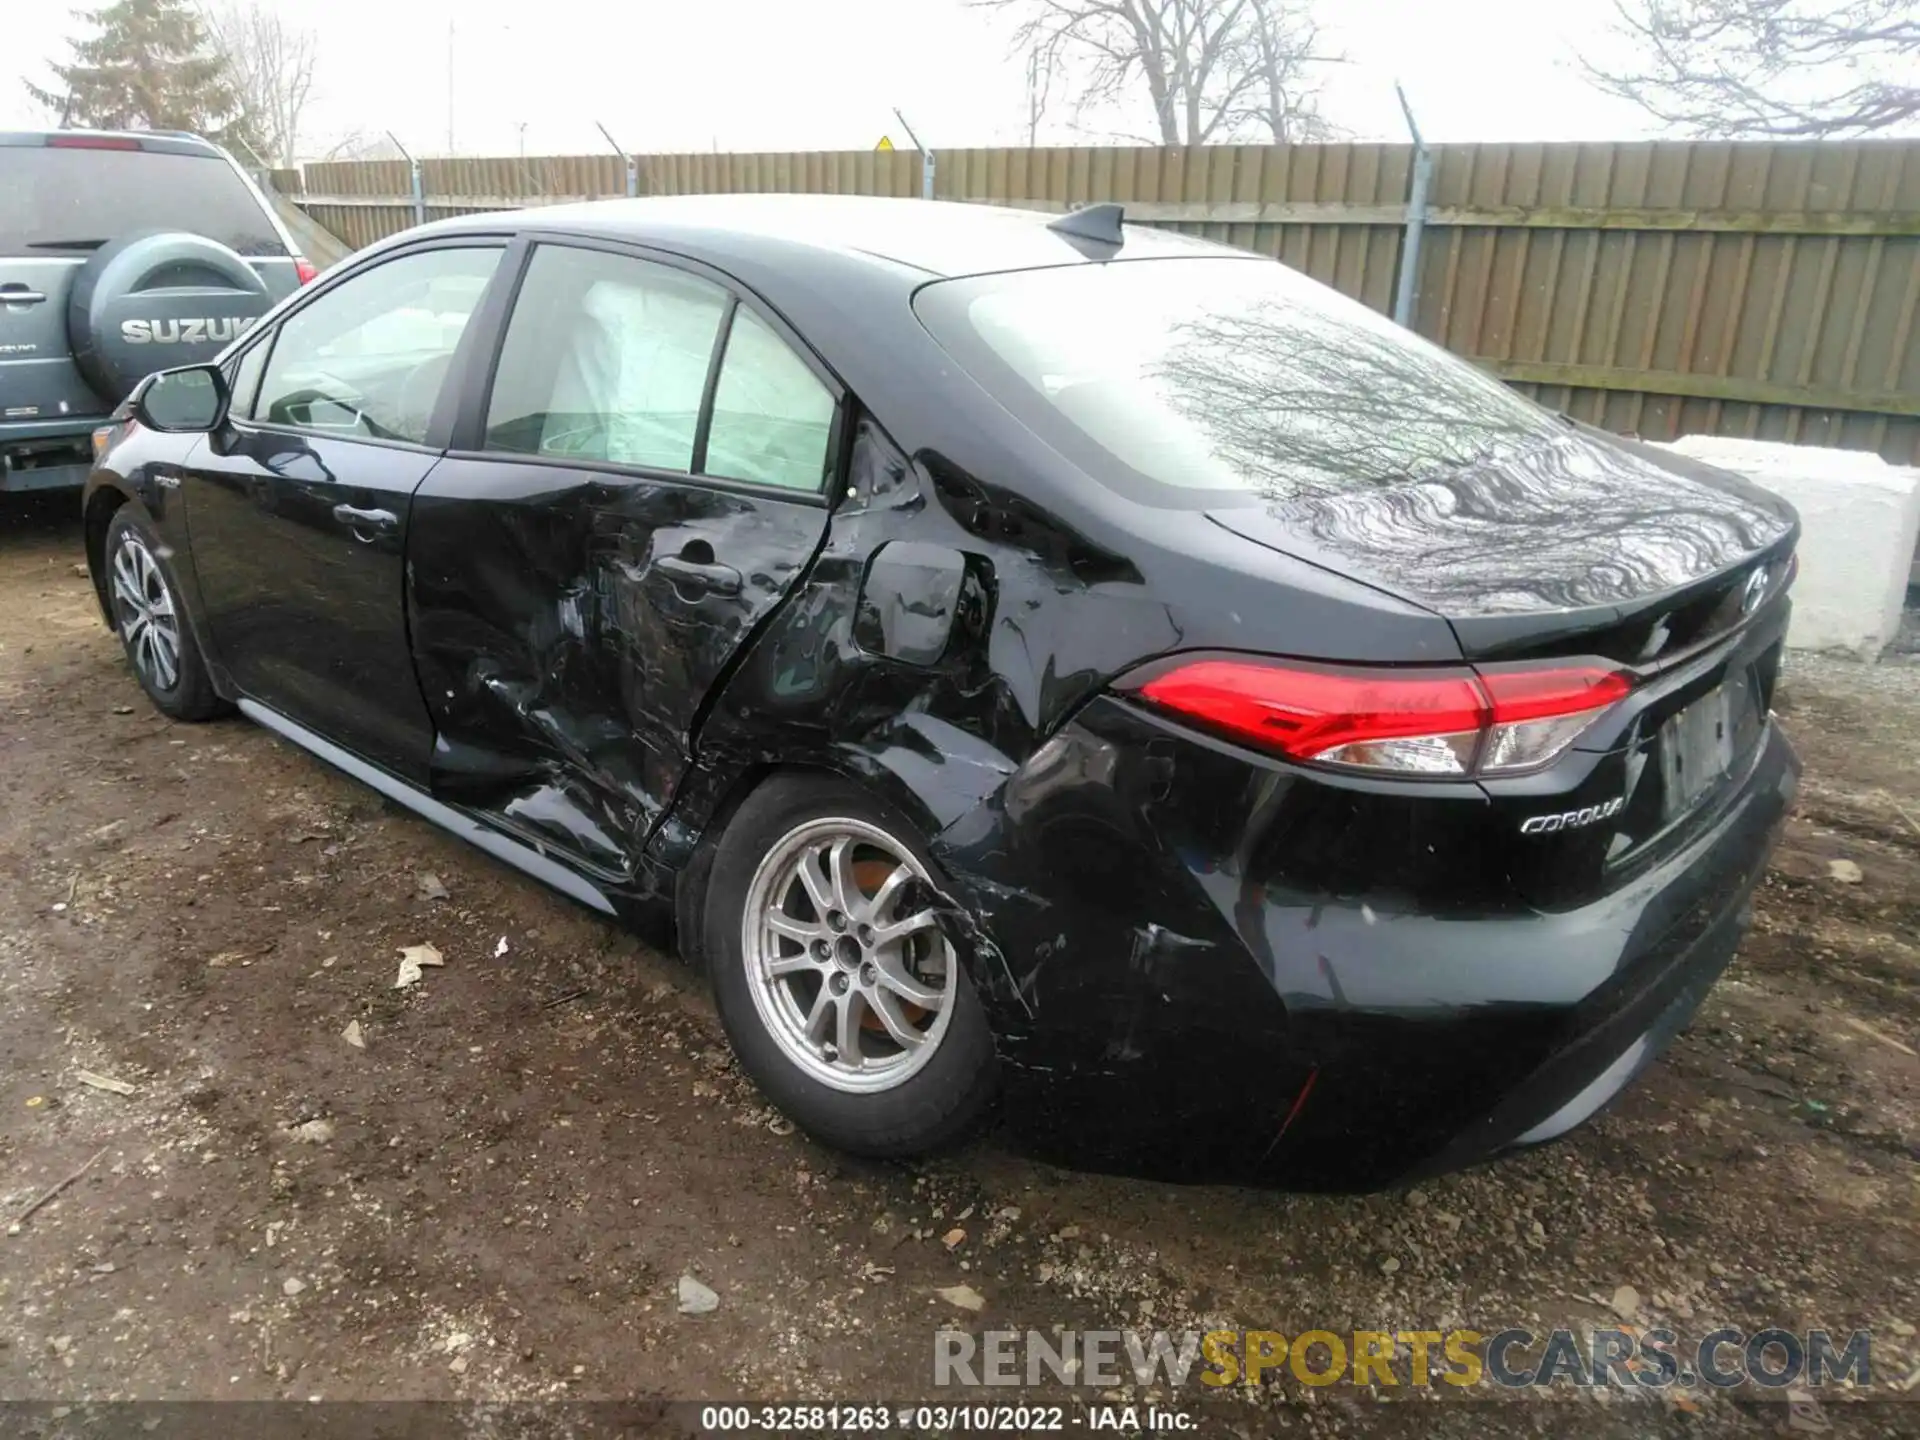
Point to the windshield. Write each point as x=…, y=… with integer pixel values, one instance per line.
x=70, y=200
x=1222, y=375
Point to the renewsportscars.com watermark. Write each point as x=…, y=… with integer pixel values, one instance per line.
x=1512, y=1359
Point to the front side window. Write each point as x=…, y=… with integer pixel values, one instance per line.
x=243, y=377
x=367, y=359
x=606, y=358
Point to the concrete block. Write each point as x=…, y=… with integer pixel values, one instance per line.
x=1912, y=473
x=1860, y=521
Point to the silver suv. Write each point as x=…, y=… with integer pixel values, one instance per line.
x=121, y=253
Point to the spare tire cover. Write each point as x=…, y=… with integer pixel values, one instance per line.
x=152, y=301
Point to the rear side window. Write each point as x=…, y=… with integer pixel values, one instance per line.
x=1176, y=380
x=772, y=418
x=610, y=358
x=606, y=358
x=74, y=200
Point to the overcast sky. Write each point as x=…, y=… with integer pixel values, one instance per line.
x=826, y=74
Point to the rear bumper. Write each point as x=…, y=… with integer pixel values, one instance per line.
x=1705, y=902
x=43, y=455
x=1210, y=989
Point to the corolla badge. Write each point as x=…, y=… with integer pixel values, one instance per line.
x=1572, y=819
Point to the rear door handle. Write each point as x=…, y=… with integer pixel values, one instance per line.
x=720, y=579
x=21, y=297
x=356, y=519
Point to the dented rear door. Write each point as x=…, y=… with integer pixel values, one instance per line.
x=640, y=487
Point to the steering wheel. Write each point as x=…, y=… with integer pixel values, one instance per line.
x=323, y=389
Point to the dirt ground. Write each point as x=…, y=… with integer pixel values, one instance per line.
x=496, y=1196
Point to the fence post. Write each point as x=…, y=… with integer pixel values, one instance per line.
x=1406, y=296
x=417, y=181
x=632, y=161
x=927, y=162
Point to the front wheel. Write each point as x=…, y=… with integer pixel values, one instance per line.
x=833, y=974
x=151, y=621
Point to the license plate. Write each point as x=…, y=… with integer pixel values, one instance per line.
x=1698, y=746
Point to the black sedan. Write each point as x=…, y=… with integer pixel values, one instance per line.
x=1019, y=655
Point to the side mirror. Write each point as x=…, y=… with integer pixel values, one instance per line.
x=193, y=397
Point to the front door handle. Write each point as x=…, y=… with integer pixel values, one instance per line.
x=720, y=579
x=358, y=520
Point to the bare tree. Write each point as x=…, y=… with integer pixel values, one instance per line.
x=1041, y=70
x=1283, y=51
x=359, y=145
x=1212, y=70
x=1800, y=68
x=270, y=64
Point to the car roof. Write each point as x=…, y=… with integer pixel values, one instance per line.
x=937, y=238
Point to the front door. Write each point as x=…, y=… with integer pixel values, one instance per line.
x=644, y=484
x=298, y=507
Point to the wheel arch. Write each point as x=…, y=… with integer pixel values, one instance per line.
x=109, y=495
x=710, y=798
x=102, y=503
x=711, y=795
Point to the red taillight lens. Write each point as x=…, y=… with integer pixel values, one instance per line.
x=303, y=268
x=1520, y=692
x=1538, y=713
x=1414, y=721
x=1315, y=714
x=92, y=142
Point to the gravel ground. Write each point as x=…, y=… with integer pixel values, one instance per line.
x=495, y=1195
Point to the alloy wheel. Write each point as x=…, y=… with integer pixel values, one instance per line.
x=846, y=962
x=147, y=617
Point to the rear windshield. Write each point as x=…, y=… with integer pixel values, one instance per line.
x=1175, y=380
x=68, y=201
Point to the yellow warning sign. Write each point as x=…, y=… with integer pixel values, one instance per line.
x=886, y=143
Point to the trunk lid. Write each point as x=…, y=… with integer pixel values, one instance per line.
x=1580, y=545
x=1576, y=542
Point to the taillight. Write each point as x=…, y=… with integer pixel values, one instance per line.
x=68, y=141
x=303, y=268
x=106, y=436
x=1410, y=720
x=1537, y=713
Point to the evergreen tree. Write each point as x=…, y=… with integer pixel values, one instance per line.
x=149, y=67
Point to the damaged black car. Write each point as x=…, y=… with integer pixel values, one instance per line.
x=1020, y=656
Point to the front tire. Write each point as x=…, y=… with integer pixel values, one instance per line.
x=838, y=986
x=151, y=620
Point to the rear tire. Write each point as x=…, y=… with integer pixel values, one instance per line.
x=151, y=620
x=842, y=996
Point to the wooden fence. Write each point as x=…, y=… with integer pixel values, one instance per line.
x=1751, y=289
